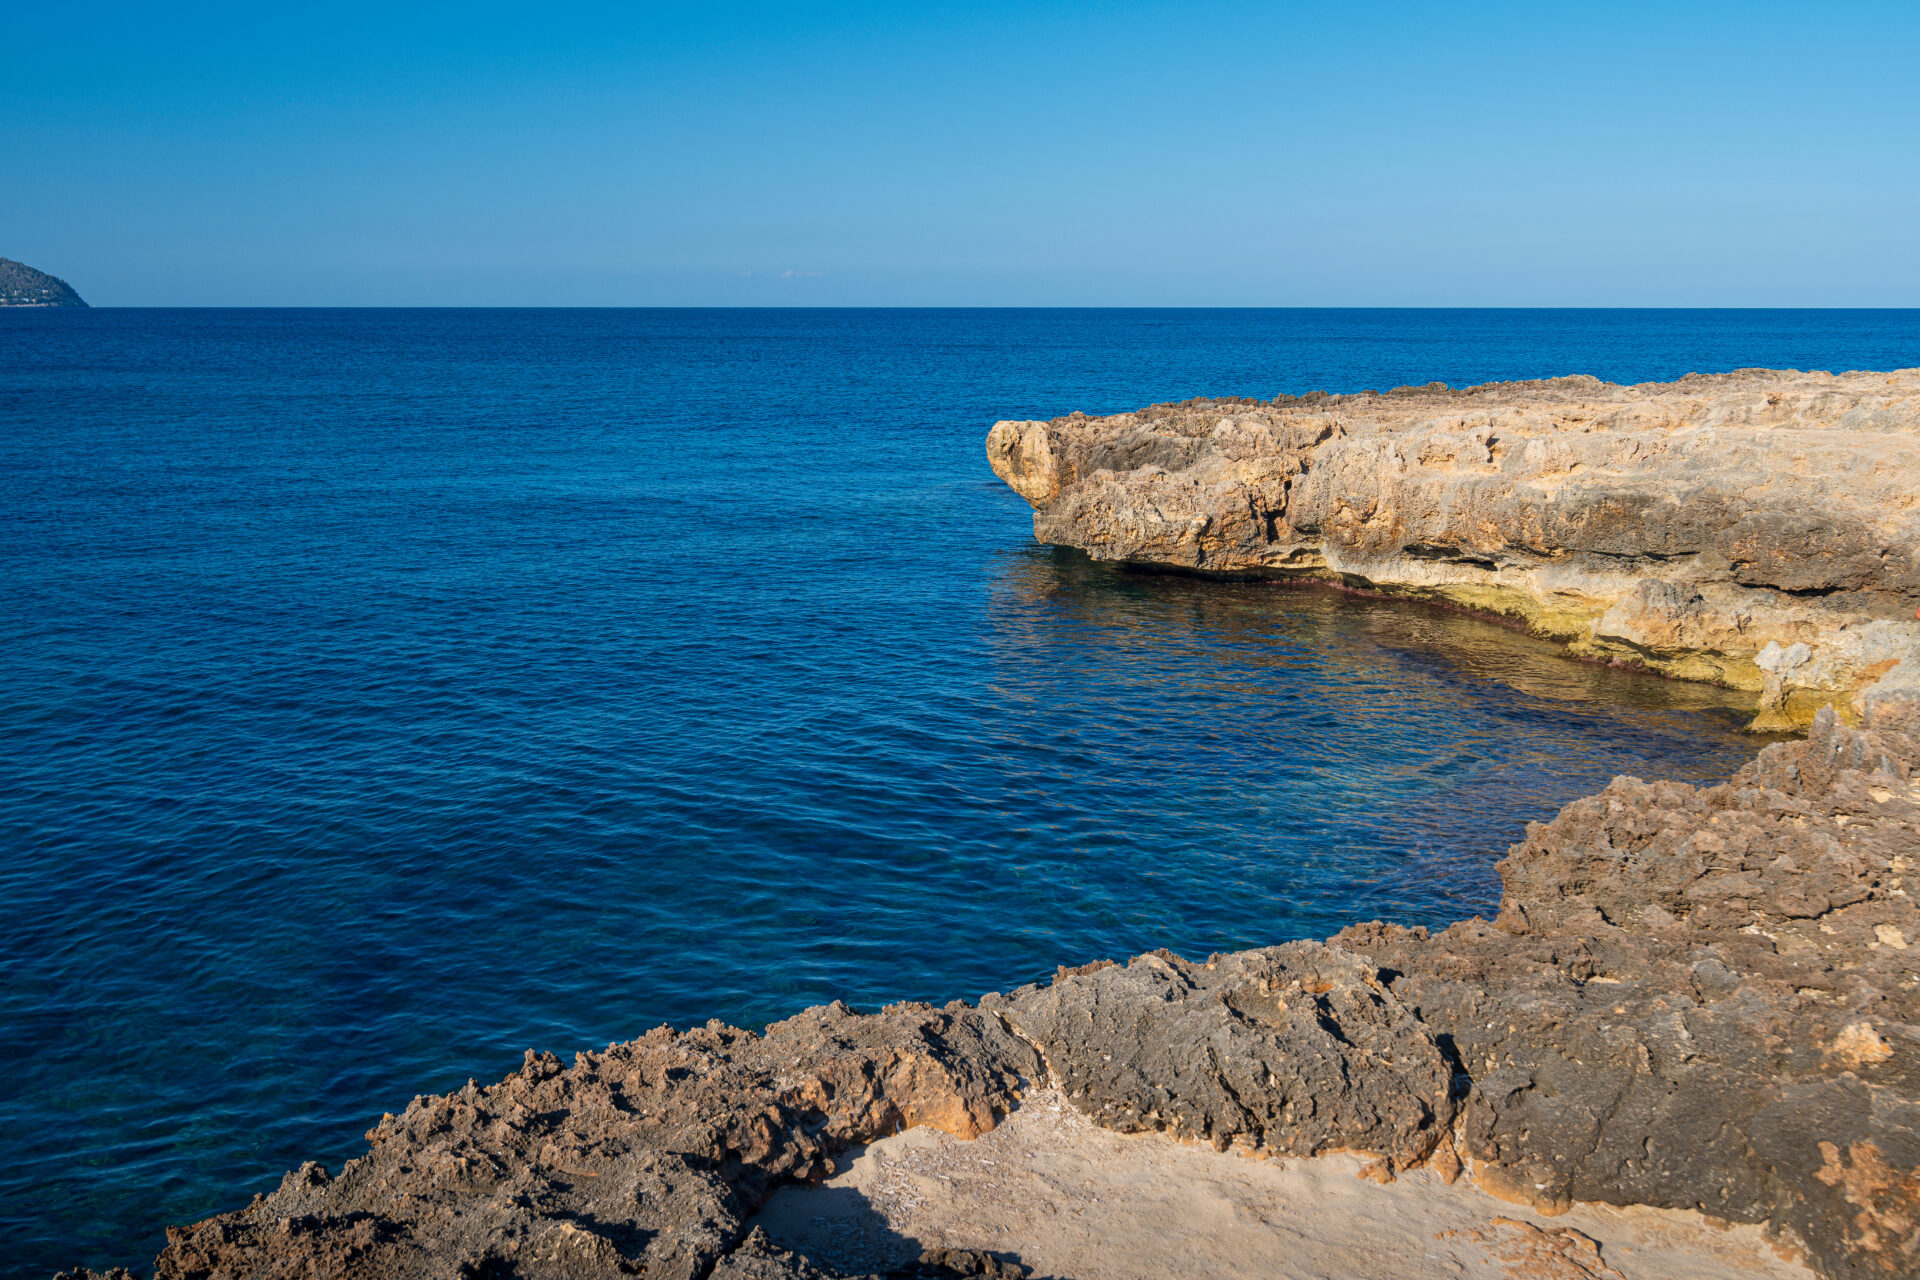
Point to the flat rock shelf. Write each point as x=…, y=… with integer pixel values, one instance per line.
x=1070, y=1198
x=1755, y=529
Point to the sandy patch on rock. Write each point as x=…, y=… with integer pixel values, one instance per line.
x=1069, y=1199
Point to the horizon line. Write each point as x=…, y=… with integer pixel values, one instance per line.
x=724, y=306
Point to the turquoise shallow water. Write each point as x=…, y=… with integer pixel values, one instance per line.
x=389, y=692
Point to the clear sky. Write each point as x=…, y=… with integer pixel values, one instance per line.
x=985, y=153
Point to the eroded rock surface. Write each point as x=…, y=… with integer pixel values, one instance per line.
x=1295, y=1049
x=646, y=1158
x=1702, y=997
x=1756, y=529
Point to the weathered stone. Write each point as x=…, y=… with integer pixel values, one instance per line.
x=1296, y=1049
x=1700, y=997
x=1682, y=526
x=647, y=1157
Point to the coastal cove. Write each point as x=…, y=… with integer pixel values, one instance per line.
x=404, y=690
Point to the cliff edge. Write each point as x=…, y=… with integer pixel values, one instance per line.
x=23, y=286
x=1756, y=529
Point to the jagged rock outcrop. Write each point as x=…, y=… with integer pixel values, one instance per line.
x=1756, y=529
x=1693, y=997
x=647, y=1157
x=1703, y=997
x=1293, y=1050
x=23, y=286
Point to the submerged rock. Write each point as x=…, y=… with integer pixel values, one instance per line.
x=1689, y=527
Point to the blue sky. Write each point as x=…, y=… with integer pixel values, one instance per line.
x=1031, y=154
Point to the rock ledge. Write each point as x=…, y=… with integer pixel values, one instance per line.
x=1755, y=529
x=1701, y=998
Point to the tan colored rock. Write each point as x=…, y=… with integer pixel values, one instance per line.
x=1068, y=1197
x=1756, y=529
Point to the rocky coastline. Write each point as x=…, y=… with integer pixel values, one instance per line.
x=1693, y=997
x=1757, y=529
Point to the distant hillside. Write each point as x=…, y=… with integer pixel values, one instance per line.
x=22, y=286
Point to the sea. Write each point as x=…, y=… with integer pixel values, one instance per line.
x=387, y=692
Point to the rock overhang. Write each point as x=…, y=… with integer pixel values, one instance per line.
x=1682, y=527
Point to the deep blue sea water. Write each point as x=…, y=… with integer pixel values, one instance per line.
x=387, y=692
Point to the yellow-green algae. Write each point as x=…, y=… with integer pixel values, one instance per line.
x=1571, y=623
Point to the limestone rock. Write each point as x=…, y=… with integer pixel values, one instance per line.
x=1682, y=526
x=1693, y=997
x=647, y=1157
x=1701, y=997
x=1293, y=1050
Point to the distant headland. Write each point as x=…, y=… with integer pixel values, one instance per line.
x=23, y=286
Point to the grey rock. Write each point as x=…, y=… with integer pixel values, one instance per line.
x=1693, y=997
x=1295, y=1050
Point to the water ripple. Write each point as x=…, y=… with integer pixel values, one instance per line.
x=389, y=692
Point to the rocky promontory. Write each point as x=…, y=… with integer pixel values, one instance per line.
x=1756, y=529
x=23, y=286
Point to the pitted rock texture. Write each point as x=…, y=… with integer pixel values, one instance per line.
x=644, y=1159
x=1295, y=1049
x=1693, y=997
x=1756, y=529
x=1702, y=997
